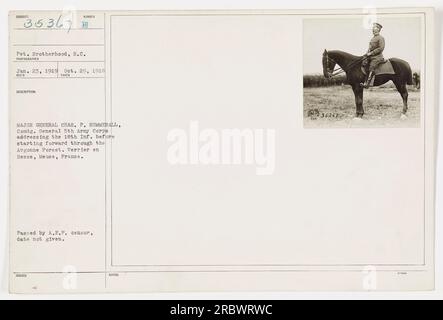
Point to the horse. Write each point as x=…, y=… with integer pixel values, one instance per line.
x=352, y=66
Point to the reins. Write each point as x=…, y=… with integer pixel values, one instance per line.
x=340, y=70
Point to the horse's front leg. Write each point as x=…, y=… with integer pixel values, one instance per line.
x=358, y=93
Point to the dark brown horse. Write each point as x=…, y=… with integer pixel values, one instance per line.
x=351, y=65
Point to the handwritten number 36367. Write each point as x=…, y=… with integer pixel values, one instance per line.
x=50, y=23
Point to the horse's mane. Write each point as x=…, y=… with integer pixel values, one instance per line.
x=343, y=54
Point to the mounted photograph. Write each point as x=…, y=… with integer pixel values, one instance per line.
x=362, y=72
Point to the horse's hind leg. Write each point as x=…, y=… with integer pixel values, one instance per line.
x=403, y=90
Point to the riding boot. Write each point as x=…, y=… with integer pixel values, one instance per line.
x=368, y=81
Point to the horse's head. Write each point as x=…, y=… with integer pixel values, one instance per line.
x=328, y=65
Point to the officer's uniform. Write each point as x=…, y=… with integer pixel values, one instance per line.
x=376, y=47
x=374, y=55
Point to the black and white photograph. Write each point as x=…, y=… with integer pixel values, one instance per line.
x=362, y=72
x=221, y=156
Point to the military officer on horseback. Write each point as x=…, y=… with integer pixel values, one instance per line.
x=374, y=56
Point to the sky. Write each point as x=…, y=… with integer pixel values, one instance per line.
x=402, y=37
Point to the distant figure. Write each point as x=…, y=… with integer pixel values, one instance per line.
x=416, y=78
x=374, y=54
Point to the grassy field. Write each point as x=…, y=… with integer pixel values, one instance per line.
x=334, y=107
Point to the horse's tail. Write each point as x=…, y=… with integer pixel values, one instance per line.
x=402, y=69
x=409, y=75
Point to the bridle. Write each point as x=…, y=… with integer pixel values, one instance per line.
x=340, y=70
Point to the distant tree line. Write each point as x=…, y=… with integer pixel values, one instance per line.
x=318, y=80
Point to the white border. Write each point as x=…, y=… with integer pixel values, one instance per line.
x=5, y=7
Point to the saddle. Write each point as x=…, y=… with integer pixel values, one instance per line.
x=384, y=67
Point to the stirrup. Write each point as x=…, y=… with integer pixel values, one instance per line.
x=369, y=81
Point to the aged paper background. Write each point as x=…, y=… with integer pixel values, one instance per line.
x=339, y=201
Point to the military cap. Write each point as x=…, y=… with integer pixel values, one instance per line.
x=378, y=25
